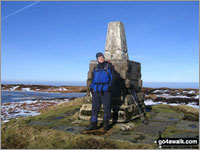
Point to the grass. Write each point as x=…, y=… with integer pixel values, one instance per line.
x=162, y=108
x=186, y=109
x=21, y=136
x=179, y=108
x=171, y=130
x=60, y=109
x=189, y=113
x=18, y=134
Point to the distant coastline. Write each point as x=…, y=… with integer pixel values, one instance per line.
x=194, y=85
x=53, y=83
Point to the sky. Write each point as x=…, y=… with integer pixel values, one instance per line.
x=55, y=41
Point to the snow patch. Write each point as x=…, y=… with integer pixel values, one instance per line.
x=194, y=105
x=5, y=121
x=196, y=97
x=189, y=92
x=173, y=104
x=160, y=91
x=28, y=102
x=63, y=89
x=150, y=102
x=167, y=96
x=26, y=108
x=26, y=89
x=13, y=88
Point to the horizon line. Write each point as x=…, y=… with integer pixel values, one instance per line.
x=86, y=81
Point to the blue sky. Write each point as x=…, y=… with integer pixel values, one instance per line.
x=55, y=41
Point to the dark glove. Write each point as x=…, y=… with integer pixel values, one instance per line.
x=109, y=88
x=91, y=90
x=88, y=91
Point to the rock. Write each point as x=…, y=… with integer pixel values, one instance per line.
x=87, y=99
x=188, y=125
x=151, y=96
x=123, y=112
x=128, y=100
x=128, y=126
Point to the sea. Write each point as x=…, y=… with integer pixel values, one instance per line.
x=17, y=96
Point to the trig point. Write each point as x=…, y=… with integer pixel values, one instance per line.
x=116, y=47
x=128, y=75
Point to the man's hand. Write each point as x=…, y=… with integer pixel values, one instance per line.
x=91, y=90
x=109, y=88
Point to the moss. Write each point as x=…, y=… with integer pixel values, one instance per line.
x=171, y=130
x=85, y=113
x=186, y=110
x=191, y=117
x=179, y=108
x=162, y=108
x=190, y=113
x=148, y=115
x=84, y=123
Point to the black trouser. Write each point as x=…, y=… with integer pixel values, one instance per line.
x=97, y=100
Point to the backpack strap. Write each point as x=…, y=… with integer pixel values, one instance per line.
x=106, y=69
x=96, y=68
x=106, y=66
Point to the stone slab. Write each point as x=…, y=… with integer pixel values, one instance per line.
x=124, y=113
x=188, y=125
x=153, y=127
x=169, y=116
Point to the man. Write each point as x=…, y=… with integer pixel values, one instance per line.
x=102, y=80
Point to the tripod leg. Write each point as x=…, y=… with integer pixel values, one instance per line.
x=142, y=117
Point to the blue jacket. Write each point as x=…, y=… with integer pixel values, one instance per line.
x=102, y=78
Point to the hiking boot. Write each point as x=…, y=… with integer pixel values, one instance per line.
x=93, y=126
x=106, y=125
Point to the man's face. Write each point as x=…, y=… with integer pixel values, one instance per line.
x=101, y=59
